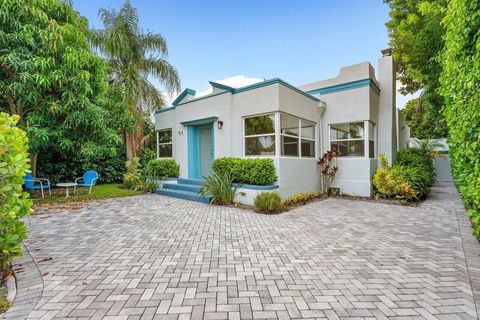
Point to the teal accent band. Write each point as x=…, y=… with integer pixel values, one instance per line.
x=165, y=110
x=346, y=86
x=186, y=92
x=220, y=86
x=201, y=121
x=256, y=187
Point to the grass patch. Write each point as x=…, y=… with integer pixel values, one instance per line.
x=102, y=191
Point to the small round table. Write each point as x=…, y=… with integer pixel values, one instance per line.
x=66, y=185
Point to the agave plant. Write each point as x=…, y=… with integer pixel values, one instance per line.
x=219, y=187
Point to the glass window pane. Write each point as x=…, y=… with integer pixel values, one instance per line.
x=165, y=150
x=371, y=130
x=289, y=125
x=349, y=148
x=260, y=125
x=308, y=129
x=347, y=131
x=339, y=131
x=260, y=146
x=308, y=148
x=165, y=136
x=357, y=130
x=289, y=146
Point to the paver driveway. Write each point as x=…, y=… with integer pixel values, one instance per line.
x=153, y=257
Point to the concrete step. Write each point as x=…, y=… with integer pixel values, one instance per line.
x=183, y=194
x=190, y=181
x=186, y=187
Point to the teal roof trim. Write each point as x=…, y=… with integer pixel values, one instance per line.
x=186, y=92
x=165, y=109
x=203, y=97
x=346, y=86
x=221, y=86
x=274, y=81
x=199, y=121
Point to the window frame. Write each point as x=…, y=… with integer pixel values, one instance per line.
x=260, y=135
x=164, y=143
x=278, y=136
x=366, y=139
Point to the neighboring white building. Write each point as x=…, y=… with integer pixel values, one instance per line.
x=353, y=113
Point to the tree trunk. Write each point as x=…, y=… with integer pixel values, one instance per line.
x=33, y=163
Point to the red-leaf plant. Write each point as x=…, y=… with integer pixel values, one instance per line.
x=328, y=163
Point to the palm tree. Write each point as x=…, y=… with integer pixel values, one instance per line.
x=135, y=58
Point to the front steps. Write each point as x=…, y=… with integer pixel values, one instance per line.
x=184, y=189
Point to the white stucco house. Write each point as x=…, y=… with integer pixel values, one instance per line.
x=354, y=113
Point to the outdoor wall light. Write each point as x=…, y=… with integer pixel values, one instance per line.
x=219, y=124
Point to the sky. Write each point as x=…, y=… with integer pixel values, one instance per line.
x=298, y=41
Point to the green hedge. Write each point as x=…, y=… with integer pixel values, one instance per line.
x=460, y=86
x=14, y=203
x=247, y=170
x=163, y=168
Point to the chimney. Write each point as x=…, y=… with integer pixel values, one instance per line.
x=386, y=52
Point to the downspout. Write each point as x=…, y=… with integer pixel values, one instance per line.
x=321, y=109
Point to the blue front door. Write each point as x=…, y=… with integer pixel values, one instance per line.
x=200, y=150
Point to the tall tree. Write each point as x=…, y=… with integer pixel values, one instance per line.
x=135, y=57
x=416, y=33
x=52, y=80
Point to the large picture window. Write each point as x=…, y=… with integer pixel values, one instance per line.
x=164, y=138
x=296, y=136
x=260, y=135
x=352, y=139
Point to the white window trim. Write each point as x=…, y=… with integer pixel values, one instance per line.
x=366, y=139
x=259, y=135
x=278, y=135
x=164, y=143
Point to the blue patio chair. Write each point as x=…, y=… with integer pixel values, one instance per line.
x=41, y=184
x=89, y=179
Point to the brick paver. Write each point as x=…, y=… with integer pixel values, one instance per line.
x=153, y=257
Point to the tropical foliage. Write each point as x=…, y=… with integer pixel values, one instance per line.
x=14, y=203
x=50, y=78
x=412, y=175
x=416, y=32
x=329, y=168
x=135, y=59
x=268, y=202
x=219, y=186
x=246, y=170
x=460, y=86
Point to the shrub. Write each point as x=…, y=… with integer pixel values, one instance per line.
x=132, y=178
x=297, y=198
x=268, y=202
x=219, y=187
x=146, y=154
x=245, y=170
x=416, y=157
x=401, y=182
x=66, y=166
x=14, y=203
x=163, y=168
